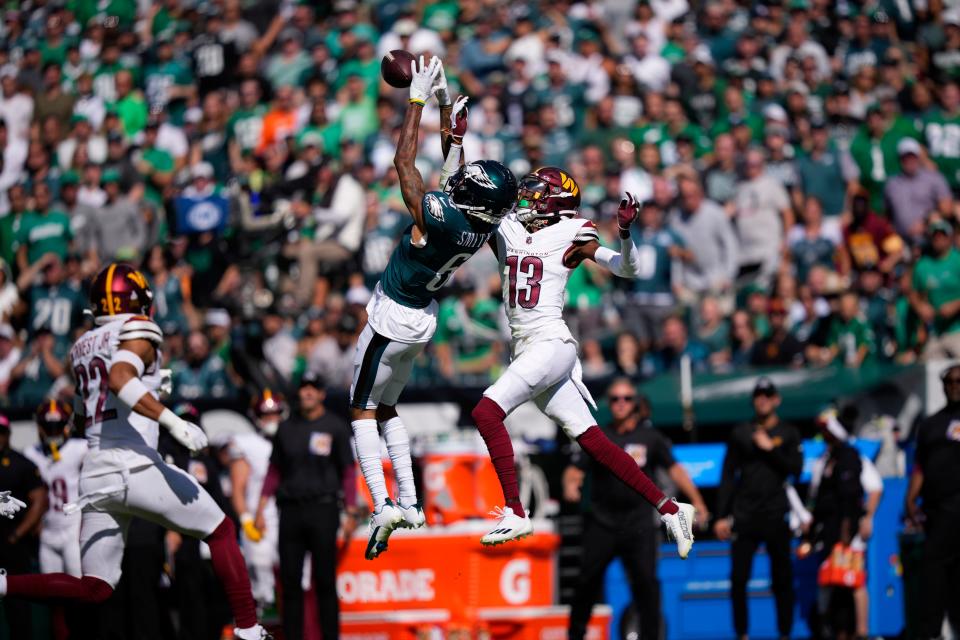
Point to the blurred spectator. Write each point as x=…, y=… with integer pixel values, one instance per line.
x=779, y=347
x=915, y=193
x=676, y=344
x=468, y=338
x=850, y=339
x=935, y=294
x=662, y=253
x=279, y=345
x=762, y=211
x=743, y=339
x=821, y=170
x=869, y=240
x=42, y=230
x=201, y=374
x=707, y=233
x=814, y=242
x=332, y=355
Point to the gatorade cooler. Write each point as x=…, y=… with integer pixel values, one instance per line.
x=449, y=485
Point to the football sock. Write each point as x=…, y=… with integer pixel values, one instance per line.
x=231, y=569
x=58, y=586
x=367, y=438
x=398, y=446
x=601, y=449
x=489, y=418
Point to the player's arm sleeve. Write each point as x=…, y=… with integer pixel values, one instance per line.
x=625, y=264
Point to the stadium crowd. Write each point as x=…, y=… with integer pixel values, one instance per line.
x=799, y=163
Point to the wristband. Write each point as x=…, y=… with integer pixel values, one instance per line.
x=418, y=101
x=125, y=355
x=131, y=392
x=169, y=420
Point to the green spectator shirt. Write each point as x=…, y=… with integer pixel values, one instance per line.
x=939, y=280
x=246, y=125
x=850, y=336
x=654, y=282
x=358, y=120
x=124, y=10
x=133, y=113
x=877, y=161
x=822, y=177
x=168, y=306
x=942, y=135
x=159, y=79
x=209, y=380
x=44, y=233
x=469, y=332
x=161, y=161
x=59, y=309
x=9, y=228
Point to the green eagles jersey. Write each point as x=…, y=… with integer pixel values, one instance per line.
x=59, y=309
x=939, y=280
x=472, y=331
x=158, y=82
x=942, y=135
x=245, y=126
x=850, y=336
x=209, y=380
x=44, y=233
x=415, y=274
x=168, y=306
x=876, y=160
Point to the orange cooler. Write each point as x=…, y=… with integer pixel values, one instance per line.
x=450, y=491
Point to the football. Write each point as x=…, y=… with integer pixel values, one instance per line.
x=395, y=68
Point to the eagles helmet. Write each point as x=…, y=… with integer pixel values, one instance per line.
x=53, y=419
x=483, y=189
x=120, y=289
x=547, y=195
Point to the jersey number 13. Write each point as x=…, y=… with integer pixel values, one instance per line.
x=531, y=267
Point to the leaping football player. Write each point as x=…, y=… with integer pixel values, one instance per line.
x=116, y=367
x=448, y=227
x=538, y=245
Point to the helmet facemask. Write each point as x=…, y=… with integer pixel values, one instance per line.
x=540, y=203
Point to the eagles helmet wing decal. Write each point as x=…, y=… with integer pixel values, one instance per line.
x=477, y=174
x=434, y=208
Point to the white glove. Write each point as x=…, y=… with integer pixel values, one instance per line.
x=440, y=88
x=10, y=505
x=186, y=433
x=421, y=86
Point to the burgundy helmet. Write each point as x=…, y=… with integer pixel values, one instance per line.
x=53, y=422
x=268, y=404
x=120, y=289
x=548, y=194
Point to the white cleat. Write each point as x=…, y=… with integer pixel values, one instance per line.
x=413, y=517
x=382, y=523
x=253, y=633
x=680, y=527
x=509, y=527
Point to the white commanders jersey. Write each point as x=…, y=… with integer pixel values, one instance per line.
x=110, y=424
x=533, y=274
x=256, y=450
x=62, y=477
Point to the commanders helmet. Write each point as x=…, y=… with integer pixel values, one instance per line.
x=267, y=409
x=483, y=189
x=547, y=195
x=53, y=419
x=120, y=289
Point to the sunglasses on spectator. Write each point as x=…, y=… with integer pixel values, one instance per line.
x=622, y=398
